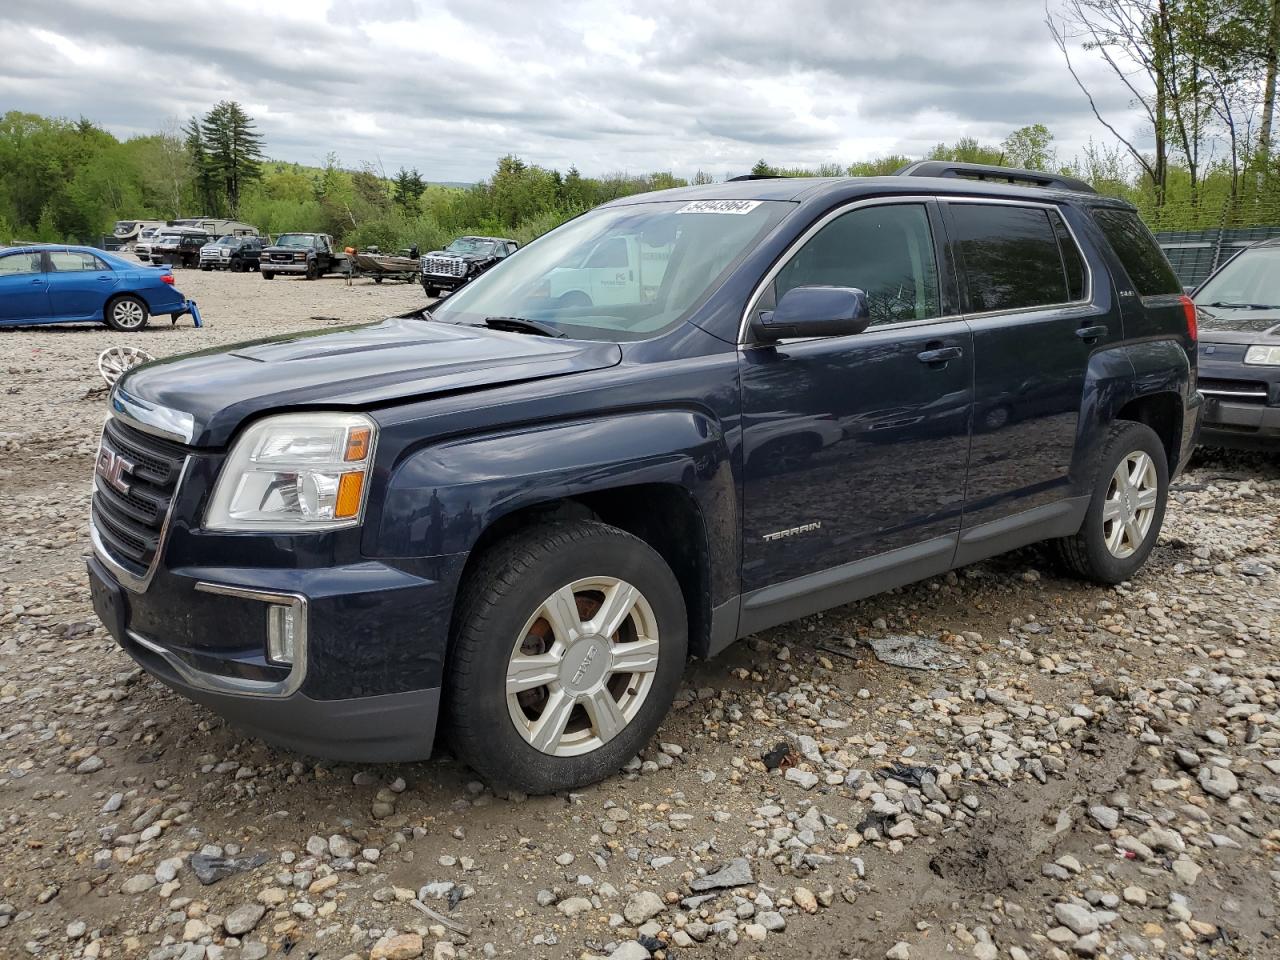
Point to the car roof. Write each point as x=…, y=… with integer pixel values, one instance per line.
x=837, y=189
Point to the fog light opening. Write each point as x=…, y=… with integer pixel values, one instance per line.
x=281, y=634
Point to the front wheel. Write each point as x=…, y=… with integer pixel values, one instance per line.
x=1126, y=510
x=126, y=314
x=568, y=649
x=431, y=292
x=268, y=275
x=313, y=271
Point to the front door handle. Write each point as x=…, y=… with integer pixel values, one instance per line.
x=1090, y=334
x=939, y=356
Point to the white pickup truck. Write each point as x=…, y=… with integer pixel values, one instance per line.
x=619, y=270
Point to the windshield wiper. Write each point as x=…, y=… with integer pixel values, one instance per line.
x=1243, y=306
x=522, y=325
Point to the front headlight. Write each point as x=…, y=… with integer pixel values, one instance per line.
x=1262, y=356
x=295, y=472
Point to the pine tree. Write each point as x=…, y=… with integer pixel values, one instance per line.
x=408, y=187
x=234, y=148
x=762, y=169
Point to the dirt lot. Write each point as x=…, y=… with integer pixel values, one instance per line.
x=1097, y=773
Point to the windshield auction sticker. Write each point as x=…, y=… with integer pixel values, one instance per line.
x=719, y=206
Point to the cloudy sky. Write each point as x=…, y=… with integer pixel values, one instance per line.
x=450, y=85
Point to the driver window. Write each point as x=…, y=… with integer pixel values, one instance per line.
x=887, y=252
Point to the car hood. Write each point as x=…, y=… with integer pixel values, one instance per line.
x=1238, y=326
x=355, y=367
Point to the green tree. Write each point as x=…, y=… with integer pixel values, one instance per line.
x=234, y=149
x=762, y=169
x=1030, y=147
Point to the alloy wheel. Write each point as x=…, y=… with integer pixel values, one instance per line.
x=583, y=666
x=128, y=314
x=1130, y=507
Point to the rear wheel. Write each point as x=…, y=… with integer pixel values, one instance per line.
x=126, y=314
x=1127, y=508
x=569, y=647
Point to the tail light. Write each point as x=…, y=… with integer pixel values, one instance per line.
x=167, y=278
x=1189, y=309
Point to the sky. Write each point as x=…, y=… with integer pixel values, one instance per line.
x=448, y=86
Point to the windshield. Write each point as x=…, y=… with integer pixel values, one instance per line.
x=619, y=273
x=228, y=241
x=1250, y=280
x=294, y=240
x=466, y=245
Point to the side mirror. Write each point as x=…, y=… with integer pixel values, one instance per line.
x=814, y=312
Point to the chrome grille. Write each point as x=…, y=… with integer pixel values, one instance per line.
x=130, y=521
x=444, y=266
x=1237, y=391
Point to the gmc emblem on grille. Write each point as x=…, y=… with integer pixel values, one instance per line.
x=113, y=468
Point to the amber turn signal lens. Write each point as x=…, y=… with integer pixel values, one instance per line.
x=348, y=504
x=357, y=444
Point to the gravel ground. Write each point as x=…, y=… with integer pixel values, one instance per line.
x=1095, y=772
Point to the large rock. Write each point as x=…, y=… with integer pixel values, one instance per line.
x=642, y=906
x=403, y=946
x=1079, y=920
x=243, y=918
x=735, y=873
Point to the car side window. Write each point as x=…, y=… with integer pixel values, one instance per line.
x=1010, y=257
x=1138, y=251
x=886, y=251
x=1072, y=260
x=74, y=261
x=14, y=264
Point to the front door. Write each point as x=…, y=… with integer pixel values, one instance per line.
x=24, y=288
x=1025, y=286
x=79, y=284
x=855, y=447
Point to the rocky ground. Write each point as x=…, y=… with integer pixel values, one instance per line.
x=1096, y=772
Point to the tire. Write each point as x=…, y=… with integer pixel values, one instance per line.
x=268, y=275
x=127, y=314
x=574, y=298
x=1107, y=548
x=431, y=292
x=206, y=269
x=377, y=279
x=237, y=266
x=313, y=271
x=500, y=619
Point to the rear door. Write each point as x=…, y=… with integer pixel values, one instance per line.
x=1026, y=288
x=24, y=287
x=79, y=284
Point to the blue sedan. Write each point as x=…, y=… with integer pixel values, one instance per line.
x=59, y=284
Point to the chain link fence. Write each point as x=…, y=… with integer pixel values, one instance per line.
x=1197, y=253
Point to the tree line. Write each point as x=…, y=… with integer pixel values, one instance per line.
x=1203, y=74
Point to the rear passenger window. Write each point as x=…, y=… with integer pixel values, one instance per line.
x=886, y=251
x=1010, y=257
x=1143, y=260
x=1072, y=262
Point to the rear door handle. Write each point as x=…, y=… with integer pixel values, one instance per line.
x=940, y=355
x=1089, y=334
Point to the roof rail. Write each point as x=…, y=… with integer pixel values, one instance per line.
x=755, y=176
x=990, y=172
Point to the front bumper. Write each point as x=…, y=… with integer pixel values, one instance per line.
x=273, y=267
x=364, y=685
x=443, y=283
x=1247, y=426
x=1242, y=403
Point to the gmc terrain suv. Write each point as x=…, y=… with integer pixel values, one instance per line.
x=516, y=516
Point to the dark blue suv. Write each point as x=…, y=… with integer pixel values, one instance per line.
x=676, y=420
